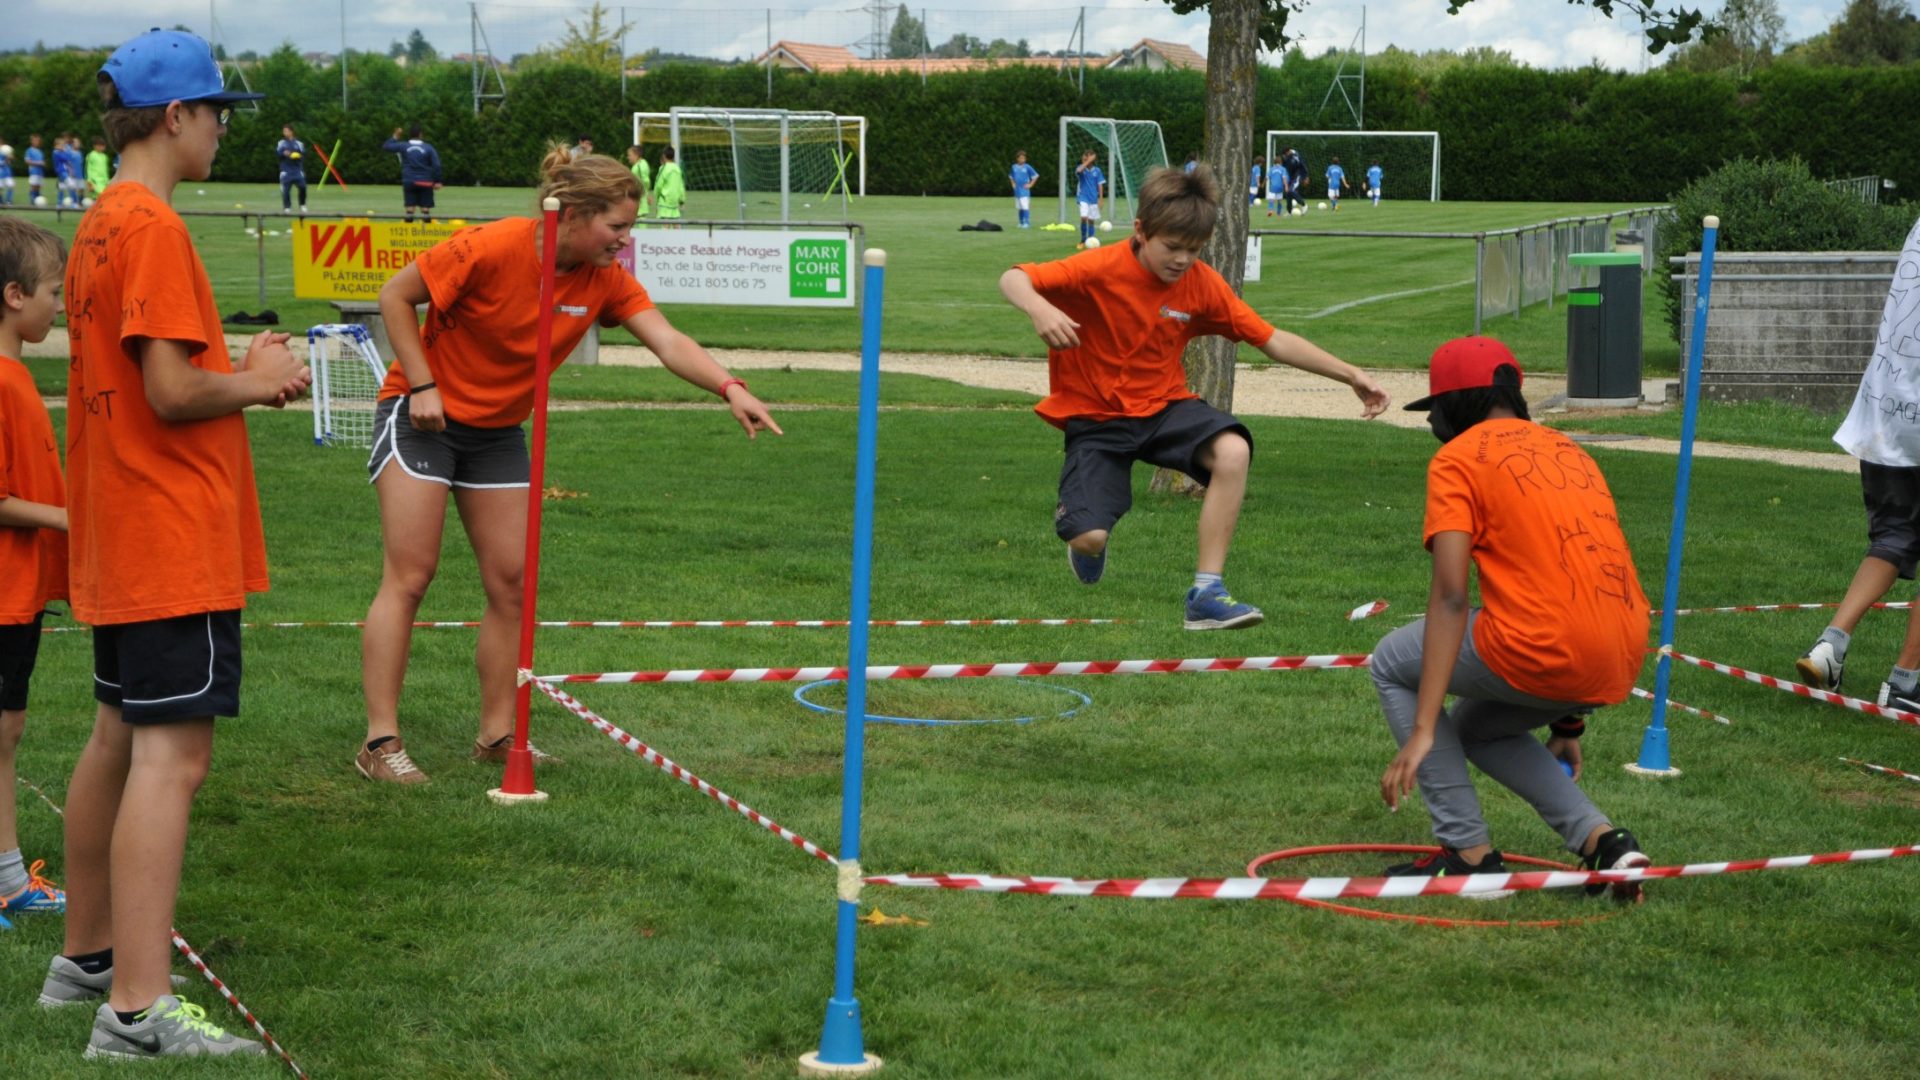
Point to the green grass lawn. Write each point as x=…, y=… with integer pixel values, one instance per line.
x=1774, y=424
x=942, y=293
x=631, y=927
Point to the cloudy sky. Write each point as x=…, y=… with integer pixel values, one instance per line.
x=1545, y=33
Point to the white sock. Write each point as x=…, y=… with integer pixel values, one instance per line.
x=13, y=872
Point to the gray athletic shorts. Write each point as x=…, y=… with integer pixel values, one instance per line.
x=1096, y=480
x=462, y=456
x=1892, y=495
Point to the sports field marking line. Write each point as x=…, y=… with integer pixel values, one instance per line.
x=186, y=950
x=1791, y=687
x=666, y=765
x=972, y=671
x=1338, y=308
x=1377, y=888
x=674, y=624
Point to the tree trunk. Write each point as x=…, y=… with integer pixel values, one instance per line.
x=1233, y=56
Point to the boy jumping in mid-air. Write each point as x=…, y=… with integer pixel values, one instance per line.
x=1336, y=182
x=1373, y=182
x=166, y=544
x=33, y=528
x=1116, y=320
x=1562, y=626
x=1090, y=188
x=1022, y=176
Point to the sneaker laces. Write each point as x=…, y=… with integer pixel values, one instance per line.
x=194, y=1019
x=398, y=762
x=34, y=882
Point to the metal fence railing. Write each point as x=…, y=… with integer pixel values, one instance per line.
x=1865, y=188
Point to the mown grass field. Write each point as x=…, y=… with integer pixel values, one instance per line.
x=631, y=927
x=941, y=282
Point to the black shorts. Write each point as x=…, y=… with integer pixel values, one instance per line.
x=1096, y=480
x=417, y=195
x=181, y=668
x=19, y=649
x=461, y=456
x=1892, y=495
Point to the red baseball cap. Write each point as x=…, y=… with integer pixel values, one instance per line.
x=1464, y=363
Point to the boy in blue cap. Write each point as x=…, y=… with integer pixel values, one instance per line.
x=166, y=542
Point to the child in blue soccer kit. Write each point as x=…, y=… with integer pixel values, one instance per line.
x=1373, y=182
x=1336, y=182
x=1022, y=176
x=1091, y=187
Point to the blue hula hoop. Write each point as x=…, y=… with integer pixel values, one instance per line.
x=800, y=696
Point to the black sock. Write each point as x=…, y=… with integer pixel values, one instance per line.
x=94, y=963
x=131, y=1018
x=499, y=742
x=376, y=744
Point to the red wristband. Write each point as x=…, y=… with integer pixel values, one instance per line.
x=741, y=383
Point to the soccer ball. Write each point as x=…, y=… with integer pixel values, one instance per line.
x=88, y=201
x=1093, y=241
x=1299, y=211
x=295, y=156
x=1106, y=226
x=39, y=200
x=1322, y=206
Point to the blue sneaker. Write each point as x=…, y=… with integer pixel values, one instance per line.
x=1088, y=568
x=1212, y=608
x=39, y=897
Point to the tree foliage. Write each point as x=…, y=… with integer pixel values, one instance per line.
x=592, y=42
x=1751, y=35
x=908, y=36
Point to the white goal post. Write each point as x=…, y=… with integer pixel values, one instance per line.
x=1129, y=150
x=347, y=373
x=763, y=156
x=1408, y=159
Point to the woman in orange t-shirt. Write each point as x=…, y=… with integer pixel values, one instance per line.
x=450, y=414
x=1562, y=628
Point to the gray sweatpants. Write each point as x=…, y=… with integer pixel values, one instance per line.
x=1490, y=724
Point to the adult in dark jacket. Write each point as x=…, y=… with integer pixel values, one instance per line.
x=419, y=171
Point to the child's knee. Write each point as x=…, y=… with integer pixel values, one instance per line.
x=1229, y=454
x=13, y=723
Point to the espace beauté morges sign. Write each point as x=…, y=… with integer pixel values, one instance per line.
x=763, y=268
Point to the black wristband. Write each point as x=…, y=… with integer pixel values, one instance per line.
x=1571, y=727
x=422, y=388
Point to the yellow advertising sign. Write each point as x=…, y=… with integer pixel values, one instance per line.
x=351, y=259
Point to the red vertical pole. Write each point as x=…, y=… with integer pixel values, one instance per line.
x=517, y=785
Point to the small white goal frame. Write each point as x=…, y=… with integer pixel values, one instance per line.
x=1116, y=163
x=673, y=117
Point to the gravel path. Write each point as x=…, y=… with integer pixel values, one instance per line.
x=1257, y=391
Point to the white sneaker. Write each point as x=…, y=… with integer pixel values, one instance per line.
x=303, y=208
x=1821, y=667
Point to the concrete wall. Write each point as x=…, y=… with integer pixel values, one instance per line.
x=1788, y=326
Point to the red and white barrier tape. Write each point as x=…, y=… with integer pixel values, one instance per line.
x=971, y=671
x=1367, y=610
x=1894, y=605
x=186, y=950
x=1803, y=690
x=1647, y=695
x=1882, y=769
x=667, y=765
x=675, y=624
x=1378, y=888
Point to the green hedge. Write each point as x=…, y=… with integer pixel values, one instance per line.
x=1506, y=132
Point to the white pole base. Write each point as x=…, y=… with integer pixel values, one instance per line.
x=507, y=798
x=1652, y=774
x=811, y=1065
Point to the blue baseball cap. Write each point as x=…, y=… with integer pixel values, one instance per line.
x=163, y=66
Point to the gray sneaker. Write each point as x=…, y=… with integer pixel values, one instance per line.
x=169, y=1028
x=67, y=984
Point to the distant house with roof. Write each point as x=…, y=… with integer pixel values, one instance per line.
x=1147, y=55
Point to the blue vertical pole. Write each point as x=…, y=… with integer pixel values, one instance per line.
x=842, y=1048
x=1654, y=759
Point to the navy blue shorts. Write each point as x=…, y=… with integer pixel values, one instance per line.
x=1096, y=480
x=19, y=651
x=418, y=195
x=181, y=668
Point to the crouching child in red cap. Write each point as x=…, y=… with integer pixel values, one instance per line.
x=1561, y=630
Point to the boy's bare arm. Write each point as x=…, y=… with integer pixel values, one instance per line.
x=1296, y=351
x=179, y=391
x=1052, y=324
x=18, y=513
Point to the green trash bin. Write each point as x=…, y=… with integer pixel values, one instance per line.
x=1603, y=333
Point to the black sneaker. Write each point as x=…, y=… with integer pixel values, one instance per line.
x=1904, y=700
x=1447, y=863
x=1617, y=850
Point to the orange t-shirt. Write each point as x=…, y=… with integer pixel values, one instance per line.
x=1133, y=330
x=483, y=319
x=33, y=562
x=1563, y=617
x=164, y=517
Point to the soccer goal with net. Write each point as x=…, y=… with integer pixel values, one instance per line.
x=1128, y=149
x=772, y=164
x=1409, y=160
